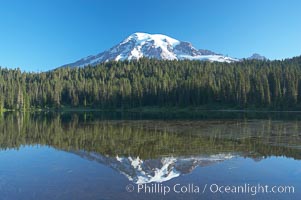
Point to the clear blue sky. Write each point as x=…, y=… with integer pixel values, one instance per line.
x=37, y=35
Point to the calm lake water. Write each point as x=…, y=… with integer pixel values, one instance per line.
x=212, y=155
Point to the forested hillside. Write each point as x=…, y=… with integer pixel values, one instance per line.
x=129, y=84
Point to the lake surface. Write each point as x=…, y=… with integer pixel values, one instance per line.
x=212, y=155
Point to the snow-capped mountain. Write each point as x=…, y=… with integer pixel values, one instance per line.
x=257, y=56
x=156, y=46
x=154, y=170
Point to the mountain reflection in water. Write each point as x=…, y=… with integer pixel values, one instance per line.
x=153, y=150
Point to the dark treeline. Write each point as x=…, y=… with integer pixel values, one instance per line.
x=128, y=84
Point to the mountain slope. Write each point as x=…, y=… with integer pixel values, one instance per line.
x=156, y=46
x=257, y=56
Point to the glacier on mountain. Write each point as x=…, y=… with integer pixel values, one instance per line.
x=157, y=46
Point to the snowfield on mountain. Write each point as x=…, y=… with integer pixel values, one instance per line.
x=155, y=46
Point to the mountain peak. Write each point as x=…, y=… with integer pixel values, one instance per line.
x=148, y=45
x=256, y=56
x=157, y=46
x=156, y=37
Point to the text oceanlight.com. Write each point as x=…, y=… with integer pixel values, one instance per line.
x=161, y=189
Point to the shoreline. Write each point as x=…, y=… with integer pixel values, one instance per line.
x=155, y=109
